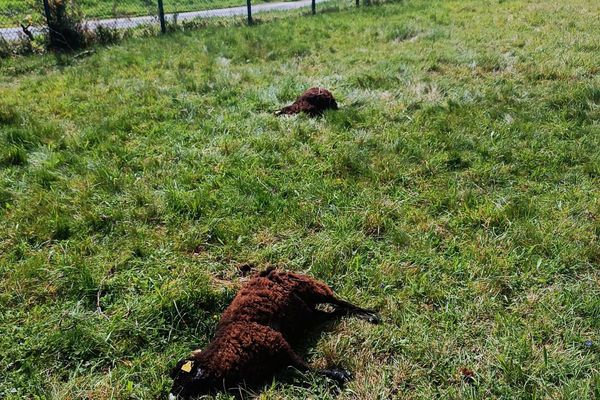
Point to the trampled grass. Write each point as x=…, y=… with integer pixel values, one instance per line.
x=456, y=190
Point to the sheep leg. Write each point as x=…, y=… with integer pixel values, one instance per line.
x=290, y=358
x=339, y=375
x=314, y=292
x=346, y=308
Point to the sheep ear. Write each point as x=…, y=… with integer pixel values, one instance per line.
x=187, y=366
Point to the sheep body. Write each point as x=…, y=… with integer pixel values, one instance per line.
x=252, y=339
x=313, y=102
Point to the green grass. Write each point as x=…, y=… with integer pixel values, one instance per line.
x=457, y=190
x=13, y=12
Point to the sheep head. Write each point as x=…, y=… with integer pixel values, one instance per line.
x=190, y=379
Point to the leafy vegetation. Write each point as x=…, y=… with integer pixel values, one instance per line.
x=456, y=190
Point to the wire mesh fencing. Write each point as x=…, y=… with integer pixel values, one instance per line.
x=54, y=23
x=20, y=19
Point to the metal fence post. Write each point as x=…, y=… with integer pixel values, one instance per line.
x=314, y=7
x=47, y=10
x=161, y=16
x=249, y=4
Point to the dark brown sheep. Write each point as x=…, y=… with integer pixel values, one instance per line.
x=313, y=102
x=252, y=341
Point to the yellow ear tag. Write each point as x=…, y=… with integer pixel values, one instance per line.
x=187, y=367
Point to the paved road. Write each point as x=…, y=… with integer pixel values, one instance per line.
x=14, y=33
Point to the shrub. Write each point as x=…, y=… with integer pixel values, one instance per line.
x=65, y=31
x=104, y=35
x=23, y=45
x=4, y=48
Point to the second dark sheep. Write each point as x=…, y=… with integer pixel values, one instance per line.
x=314, y=102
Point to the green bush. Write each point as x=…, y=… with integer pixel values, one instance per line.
x=65, y=31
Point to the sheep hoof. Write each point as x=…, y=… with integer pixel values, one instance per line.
x=374, y=319
x=341, y=376
x=371, y=317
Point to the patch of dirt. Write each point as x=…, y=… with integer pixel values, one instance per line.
x=244, y=269
x=313, y=102
x=199, y=249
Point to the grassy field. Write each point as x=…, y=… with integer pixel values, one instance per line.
x=13, y=12
x=457, y=190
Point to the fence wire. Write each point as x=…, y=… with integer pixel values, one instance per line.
x=25, y=21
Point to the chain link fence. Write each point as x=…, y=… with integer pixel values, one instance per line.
x=52, y=23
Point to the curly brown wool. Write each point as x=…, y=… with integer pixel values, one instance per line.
x=313, y=102
x=252, y=340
